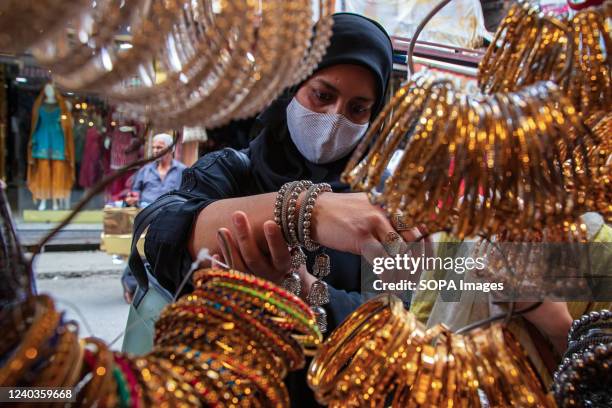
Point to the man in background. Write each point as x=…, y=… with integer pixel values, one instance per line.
x=151, y=181
x=156, y=178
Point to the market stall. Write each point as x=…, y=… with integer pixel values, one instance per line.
x=501, y=155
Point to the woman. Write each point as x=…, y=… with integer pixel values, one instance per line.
x=237, y=190
x=307, y=134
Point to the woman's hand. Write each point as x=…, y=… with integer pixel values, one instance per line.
x=241, y=252
x=350, y=223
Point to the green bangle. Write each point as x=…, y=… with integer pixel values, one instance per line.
x=291, y=311
x=122, y=388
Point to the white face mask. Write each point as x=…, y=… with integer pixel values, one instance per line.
x=322, y=137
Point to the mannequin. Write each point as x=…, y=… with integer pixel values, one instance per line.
x=51, y=150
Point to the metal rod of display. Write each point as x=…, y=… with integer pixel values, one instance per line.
x=446, y=66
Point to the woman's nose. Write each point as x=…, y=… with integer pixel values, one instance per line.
x=338, y=108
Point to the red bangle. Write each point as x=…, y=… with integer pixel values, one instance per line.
x=582, y=6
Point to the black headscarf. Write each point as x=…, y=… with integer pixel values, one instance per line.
x=274, y=157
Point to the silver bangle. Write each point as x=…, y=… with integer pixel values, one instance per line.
x=305, y=220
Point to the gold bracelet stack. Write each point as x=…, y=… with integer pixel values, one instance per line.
x=530, y=48
x=530, y=154
x=382, y=356
x=183, y=62
x=479, y=165
x=231, y=342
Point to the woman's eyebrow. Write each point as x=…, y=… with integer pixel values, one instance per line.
x=334, y=89
x=364, y=99
x=327, y=85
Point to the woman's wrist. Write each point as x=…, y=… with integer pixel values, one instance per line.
x=318, y=215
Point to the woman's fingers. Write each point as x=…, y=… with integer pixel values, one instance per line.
x=251, y=254
x=230, y=250
x=281, y=258
x=411, y=235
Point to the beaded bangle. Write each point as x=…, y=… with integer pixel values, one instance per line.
x=274, y=392
x=133, y=385
x=233, y=339
x=583, y=378
x=305, y=216
x=291, y=205
x=291, y=349
x=122, y=388
x=265, y=335
x=244, y=278
x=267, y=353
x=307, y=324
x=278, y=207
x=305, y=331
x=43, y=327
x=582, y=324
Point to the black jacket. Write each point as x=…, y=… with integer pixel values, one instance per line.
x=227, y=174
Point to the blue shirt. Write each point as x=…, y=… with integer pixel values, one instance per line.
x=150, y=185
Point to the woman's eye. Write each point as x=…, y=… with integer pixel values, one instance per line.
x=323, y=96
x=359, y=109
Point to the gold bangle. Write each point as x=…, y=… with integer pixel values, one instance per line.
x=343, y=343
x=44, y=325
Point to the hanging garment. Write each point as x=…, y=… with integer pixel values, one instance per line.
x=80, y=132
x=91, y=164
x=119, y=187
x=48, y=137
x=460, y=23
x=123, y=151
x=49, y=180
x=50, y=150
x=122, y=148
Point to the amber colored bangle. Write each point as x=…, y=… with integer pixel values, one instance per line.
x=63, y=359
x=343, y=343
x=273, y=391
x=101, y=388
x=468, y=382
x=453, y=371
x=220, y=337
x=278, y=310
x=510, y=380
x=14, y=322
x=487, y=375
x=364, y=381
x=290, y=348
x=440, y=373
x=73, y=376
x=43, y=327
x=204, y=275
x=525, y=366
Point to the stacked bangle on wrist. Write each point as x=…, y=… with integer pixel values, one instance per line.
x=298, y=235
x=284, y=216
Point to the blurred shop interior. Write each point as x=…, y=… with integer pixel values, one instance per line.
x=99, y=140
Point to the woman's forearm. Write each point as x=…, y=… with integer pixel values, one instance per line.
x=258, y=208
